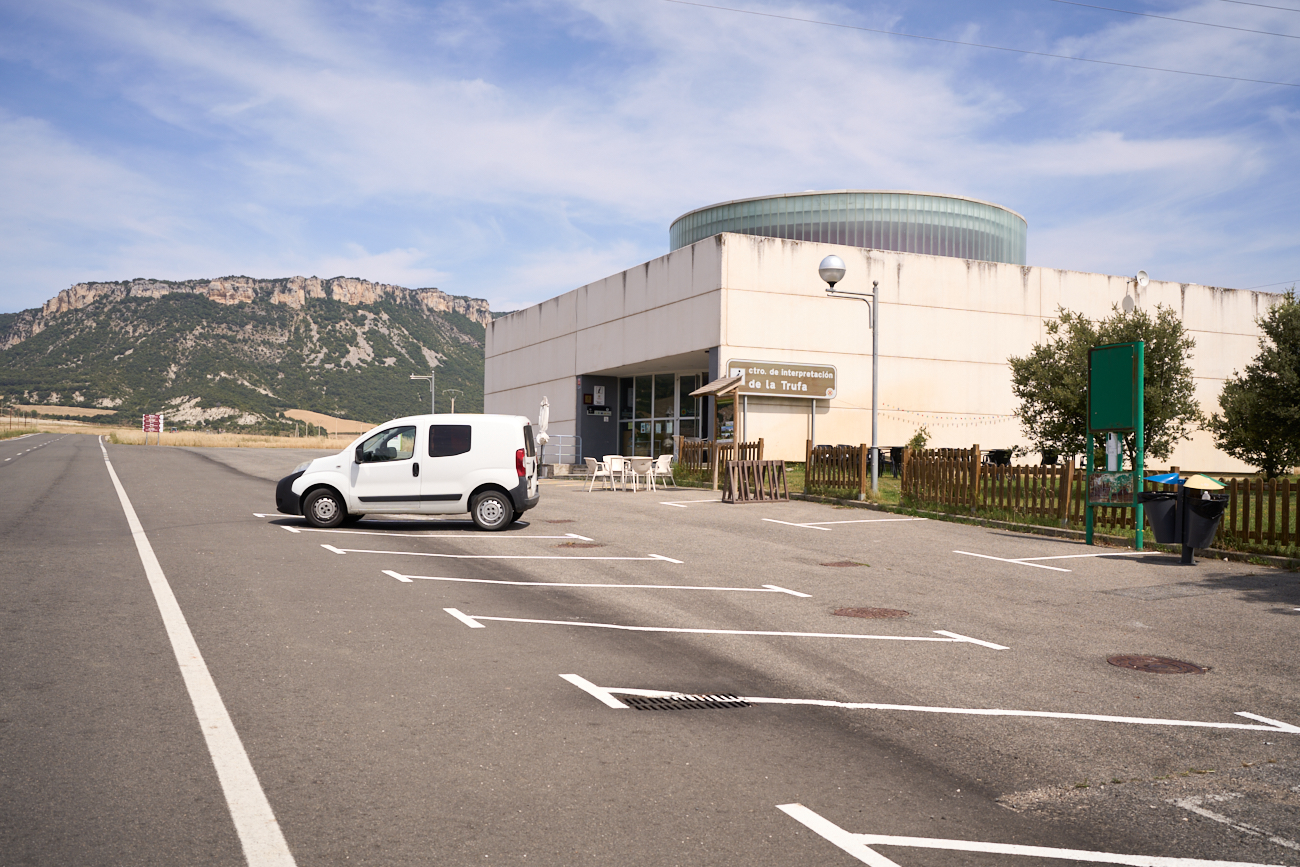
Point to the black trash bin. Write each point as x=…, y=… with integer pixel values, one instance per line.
x=1203, y=517
x=1161, y=509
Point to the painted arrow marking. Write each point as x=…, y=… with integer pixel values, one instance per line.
x=492, y=556
x=1028, y=561
x=821, y=525
x=859, y=846
x=766, y=588
x=949, y=637
x=1268, y=725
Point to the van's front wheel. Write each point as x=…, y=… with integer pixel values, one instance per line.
x=324, y=508
x=492, y=510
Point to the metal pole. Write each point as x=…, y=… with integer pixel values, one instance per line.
x=875, y=383
x=813, y=432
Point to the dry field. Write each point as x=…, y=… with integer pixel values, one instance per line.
x=44, y=409
x=330, y=423
x=200, y=439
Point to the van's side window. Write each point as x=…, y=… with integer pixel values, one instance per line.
x=394, y=444
x=446, y=440
x=529, y=443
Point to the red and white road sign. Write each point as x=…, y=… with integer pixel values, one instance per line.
x=153, y=423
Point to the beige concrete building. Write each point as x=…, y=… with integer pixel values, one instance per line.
x=617, y=358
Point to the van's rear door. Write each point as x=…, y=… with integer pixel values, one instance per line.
x=530, y=459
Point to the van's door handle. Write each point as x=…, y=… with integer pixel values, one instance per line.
x=415, y=469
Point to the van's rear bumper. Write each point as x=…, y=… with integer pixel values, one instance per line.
x=519, y=496
x=286, y=501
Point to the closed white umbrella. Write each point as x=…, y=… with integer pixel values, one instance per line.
x=543, y=419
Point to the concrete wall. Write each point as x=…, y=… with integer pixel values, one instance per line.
x=947, y=327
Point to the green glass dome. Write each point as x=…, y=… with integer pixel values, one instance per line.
x=907, y=222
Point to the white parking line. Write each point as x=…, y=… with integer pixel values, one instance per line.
x=693, y=631
x=820, y=525
x=1029, y=561
x=1194, y=805
x=474, y=536
x=766, y=588
x=259, y=832
x=493, y=556
x=682, y=504
x=859, y=846
x=1270, y=725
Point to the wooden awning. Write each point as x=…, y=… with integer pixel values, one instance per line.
x=720, y=387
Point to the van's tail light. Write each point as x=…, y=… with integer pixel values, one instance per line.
x=519, y=463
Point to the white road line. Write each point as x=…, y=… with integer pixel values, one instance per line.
x=971, y=640
x=682, y=504
x=465, y=618
x=651, y=558
x=1077, y=556
x=859, y=846
x=1273, y=726
x=792, y=524
x=259, y=832
x=820, y=525
x=587, y=686
x=766, y=588
x=1017, y=562
x=695, y=631
x=469, y=537
x=1194, y=805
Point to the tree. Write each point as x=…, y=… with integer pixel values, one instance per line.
x=1051, y=382
x=1261, y=408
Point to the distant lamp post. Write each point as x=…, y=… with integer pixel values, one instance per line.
x=454, y=393
x=432, y=405
x=832, y=270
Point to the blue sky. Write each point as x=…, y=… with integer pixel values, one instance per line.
x=515, y=150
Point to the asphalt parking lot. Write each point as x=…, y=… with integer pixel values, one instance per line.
x=652, y=677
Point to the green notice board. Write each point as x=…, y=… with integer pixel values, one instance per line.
x=1114, y=388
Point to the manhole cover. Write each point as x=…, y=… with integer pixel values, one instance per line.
x=872, y=613
x=1157, y=664
x=561, y=521
x=844, y=563
x=580, y=545
x=682, y=702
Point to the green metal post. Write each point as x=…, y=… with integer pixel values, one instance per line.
x=1089, y=448
x=1139, y=452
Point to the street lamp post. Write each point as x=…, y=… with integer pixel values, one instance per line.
x=452, y=393
x=832, y=271
x=432, y=406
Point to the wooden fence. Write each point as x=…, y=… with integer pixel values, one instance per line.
x=1260, y=515
x=705, y=459
x=836, y=469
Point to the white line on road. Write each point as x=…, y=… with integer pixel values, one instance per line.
x=766, y=588
x=859, y=846
x=652, y=557
x=694, y=631
x=1271, y=725
x=259, y=832
x=1029, y=561
x=682, y=504
x=820, y=525
x=1017, y=562
x=472, y=536
x=957, y=637
x=589, y=687
x=1194, y=805
x=465, y=618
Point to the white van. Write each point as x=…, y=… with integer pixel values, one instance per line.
x=424, y=464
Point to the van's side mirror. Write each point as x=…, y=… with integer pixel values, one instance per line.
x=358, y=455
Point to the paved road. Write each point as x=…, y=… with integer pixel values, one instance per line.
x=384, y=730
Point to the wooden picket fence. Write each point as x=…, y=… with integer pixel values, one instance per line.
x=695, y=456
x=836, y=469
x=1261, y=515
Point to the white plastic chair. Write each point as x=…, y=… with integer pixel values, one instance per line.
x=663, y=469
x=642, y=468
x=617, y=465
x=598, y=470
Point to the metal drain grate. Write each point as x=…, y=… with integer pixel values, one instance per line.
x=561, y=521
x=1157, y=664
x=682, y=702
x=844, y=563
x=872, y=613
x=580, y=545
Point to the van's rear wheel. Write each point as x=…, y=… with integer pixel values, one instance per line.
x=492, y=510
x=324, y=508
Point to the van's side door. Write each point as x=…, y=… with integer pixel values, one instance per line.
x=386, y=477
x=449, y=466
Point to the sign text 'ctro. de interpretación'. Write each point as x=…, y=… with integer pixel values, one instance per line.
x=785, y=378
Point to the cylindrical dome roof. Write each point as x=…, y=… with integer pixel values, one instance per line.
x=879, y=220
